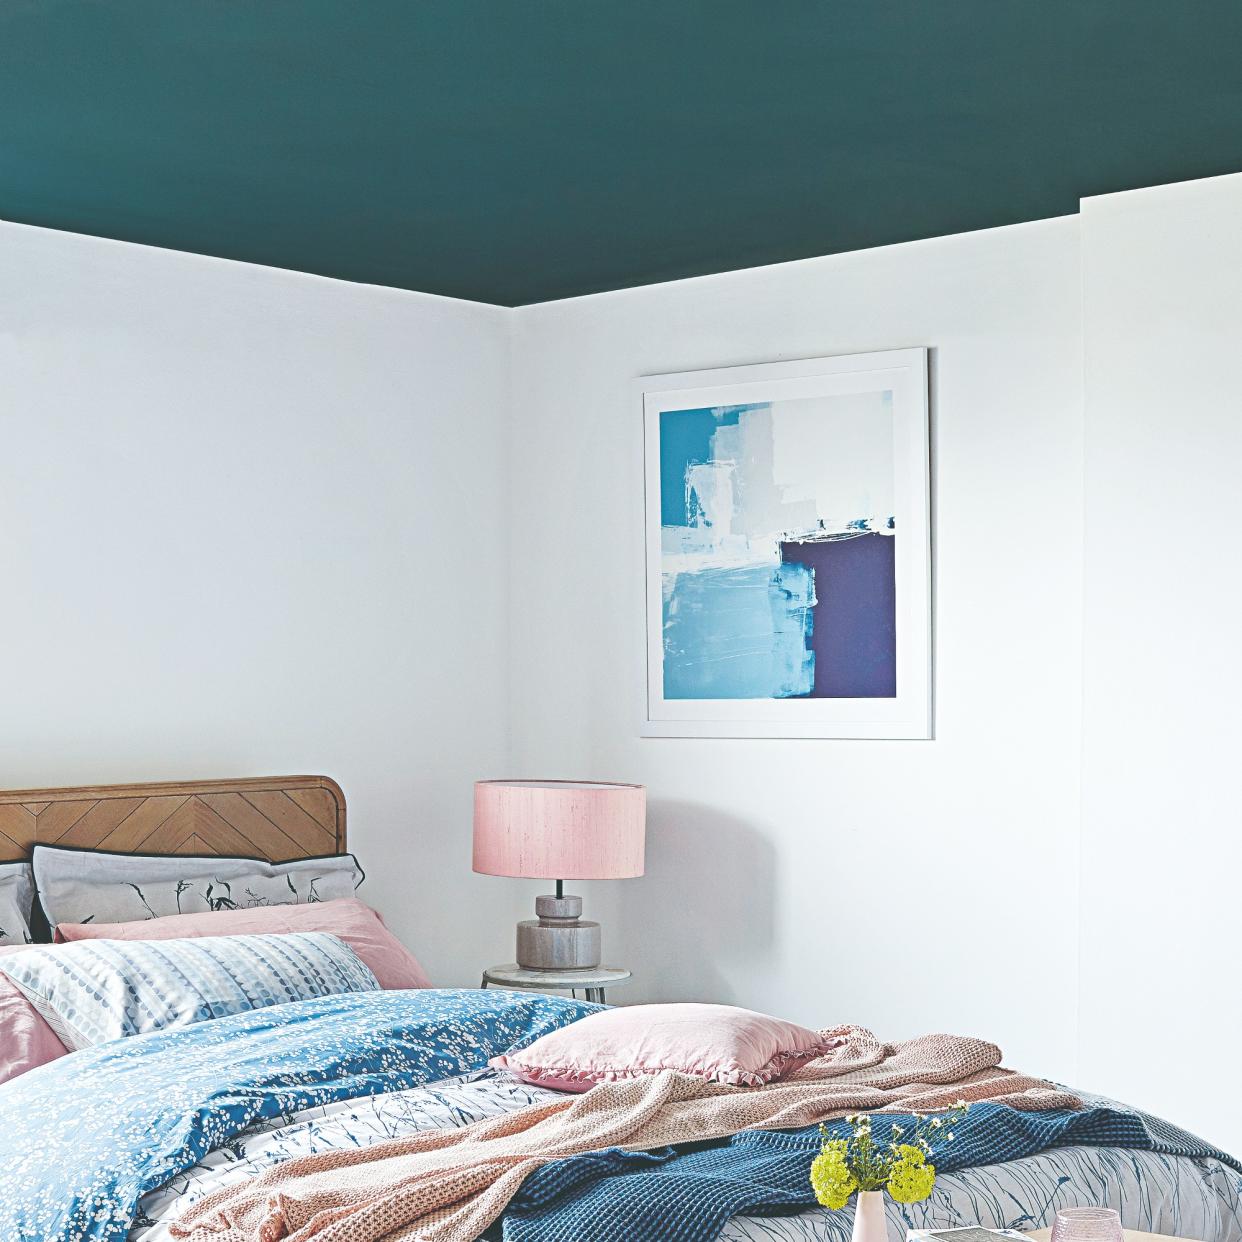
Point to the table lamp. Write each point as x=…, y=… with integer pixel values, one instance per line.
x=559, y=830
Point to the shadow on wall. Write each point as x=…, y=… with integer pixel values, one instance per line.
x=704, y=906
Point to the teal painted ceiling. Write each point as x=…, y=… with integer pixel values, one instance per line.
x=518, y=150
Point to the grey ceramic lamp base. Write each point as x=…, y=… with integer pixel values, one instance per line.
x=558, y=939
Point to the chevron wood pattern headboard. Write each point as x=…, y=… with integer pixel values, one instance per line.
x=276, y=818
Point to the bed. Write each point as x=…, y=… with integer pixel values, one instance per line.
x=121, y=1139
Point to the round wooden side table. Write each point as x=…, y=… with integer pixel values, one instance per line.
x=592, y=982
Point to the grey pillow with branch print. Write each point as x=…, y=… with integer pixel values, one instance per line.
x=16, y=899
x=93, y=887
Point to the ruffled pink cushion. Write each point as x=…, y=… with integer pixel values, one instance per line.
x=354, y=922
x=25, y=1039
x=717, y=1042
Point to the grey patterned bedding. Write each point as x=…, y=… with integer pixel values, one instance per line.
x=1190, y=1198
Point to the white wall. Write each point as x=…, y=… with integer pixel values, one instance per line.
x=796, y=875
x=236, y=507
x=252, y=522
x=1162, y=851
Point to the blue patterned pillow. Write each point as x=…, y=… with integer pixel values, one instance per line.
x=95, y=990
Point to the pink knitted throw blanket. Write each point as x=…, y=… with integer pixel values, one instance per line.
x=448, y=1186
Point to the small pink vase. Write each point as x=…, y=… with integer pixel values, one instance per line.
x=869, y=1225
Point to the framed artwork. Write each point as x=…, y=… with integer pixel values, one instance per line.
x=788, y=549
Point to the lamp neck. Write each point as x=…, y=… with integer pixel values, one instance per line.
x=560, y=889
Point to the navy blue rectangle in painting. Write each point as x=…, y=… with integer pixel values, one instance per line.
x=854, y=634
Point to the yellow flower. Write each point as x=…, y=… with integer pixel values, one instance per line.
x=911, y=1155
x=910, y=1180
x=831, y=1178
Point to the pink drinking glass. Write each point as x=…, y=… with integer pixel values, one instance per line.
x=1087, y=1224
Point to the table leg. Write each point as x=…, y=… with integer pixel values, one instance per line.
x=595, y=995
x=484, y=983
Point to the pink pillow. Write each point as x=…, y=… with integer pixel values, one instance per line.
x=25, y=1039
x=355, y=923
x=715, y=1042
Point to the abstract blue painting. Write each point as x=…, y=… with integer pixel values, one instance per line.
x=779, y=548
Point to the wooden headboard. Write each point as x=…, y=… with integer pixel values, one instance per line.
x=275, y=818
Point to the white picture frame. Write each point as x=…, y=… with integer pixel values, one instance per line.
x=823, y=402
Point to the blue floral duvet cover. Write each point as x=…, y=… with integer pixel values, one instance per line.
x=82, y=1139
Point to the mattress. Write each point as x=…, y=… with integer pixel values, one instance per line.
x=1178, y=1195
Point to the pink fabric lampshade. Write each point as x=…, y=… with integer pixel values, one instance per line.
x=559, y=830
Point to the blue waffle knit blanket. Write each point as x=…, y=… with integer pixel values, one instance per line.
x=687, y=1193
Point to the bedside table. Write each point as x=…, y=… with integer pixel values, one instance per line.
x=593, y=982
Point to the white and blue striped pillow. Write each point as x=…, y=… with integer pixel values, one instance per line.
x=95, y=990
